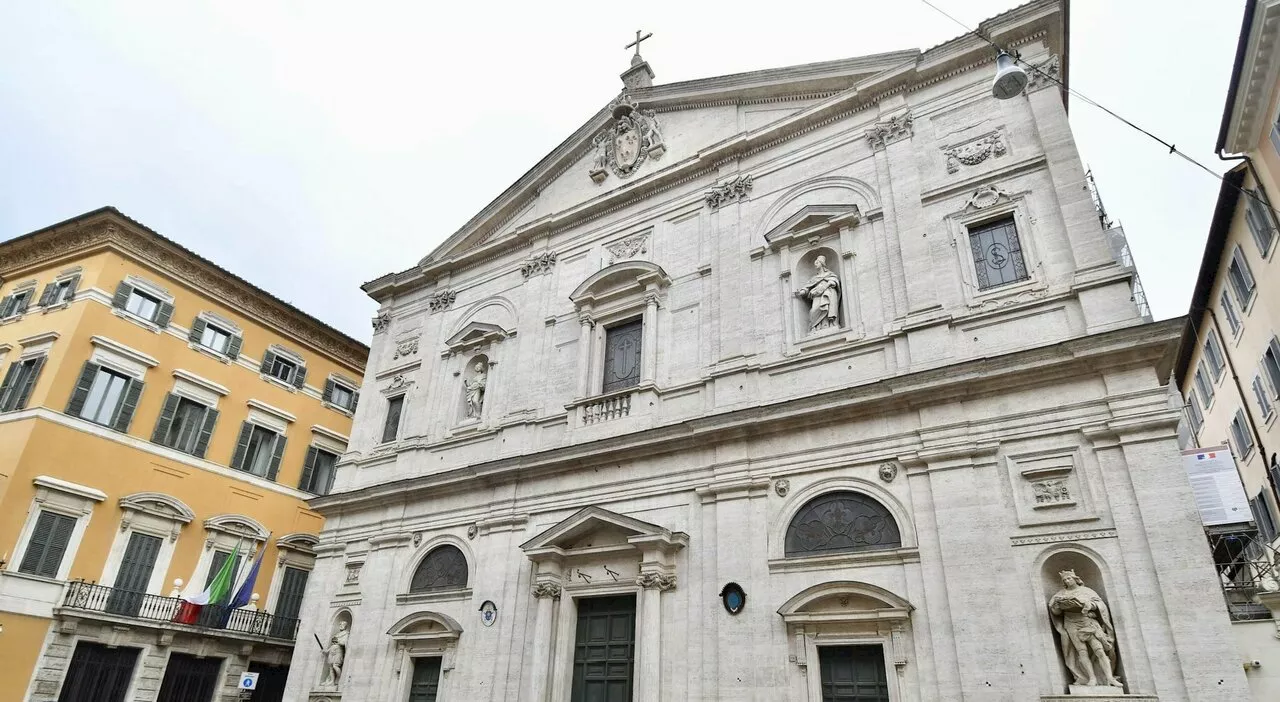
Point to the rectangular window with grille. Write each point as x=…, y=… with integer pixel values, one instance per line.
x=47, y=545
x=622, y=354
x=1240, y=277
x=1194, y=413
x=1241, y=437
x=391, y=426
x=1213, y=353
x=1203, y=386
x=1229, y=311
x=1258, y=217
x=997, y=253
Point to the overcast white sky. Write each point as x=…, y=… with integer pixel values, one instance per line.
x=311, y=146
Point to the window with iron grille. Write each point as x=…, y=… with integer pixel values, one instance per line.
x=997, y=253
x=1229, y=311
x=1240, y=435
x=1213, y=353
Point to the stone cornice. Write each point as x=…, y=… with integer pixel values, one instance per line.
x=1149, y=344
x=1259, y=69
x=107, y=228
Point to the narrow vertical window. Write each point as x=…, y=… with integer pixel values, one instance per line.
x=47, y=544
x=391, y=428
x=1240, y=436
x=997, y=253
x=1258, y=217
x=1194, y=414
x=1241, y=277
x=622, y=349
x=1271, y=365
x=1260, y=393
x=18, y=383
x=1203, y=385
x=1213, y=353
x=1229, y=311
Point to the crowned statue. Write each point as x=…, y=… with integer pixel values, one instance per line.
x=1083, y=622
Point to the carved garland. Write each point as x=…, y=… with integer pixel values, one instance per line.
x=973, y=152
x=188, y=267
x=408, y=347
x=894, y=129
x=441, y=300
x=729, y=191
x=538, y=264
x=630, y=247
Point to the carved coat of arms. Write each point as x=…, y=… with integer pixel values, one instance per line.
x=634, y=136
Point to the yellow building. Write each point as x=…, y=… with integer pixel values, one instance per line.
x=1228, y=366
x=157, y=413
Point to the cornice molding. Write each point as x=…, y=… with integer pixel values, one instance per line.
x=111, y=230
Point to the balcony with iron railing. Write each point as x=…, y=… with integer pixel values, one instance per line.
x=100, y=601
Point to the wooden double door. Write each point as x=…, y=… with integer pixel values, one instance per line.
x=604, y=649
x=853, y=674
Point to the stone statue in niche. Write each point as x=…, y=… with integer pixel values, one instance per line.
x=334, y=655
x=475, y=390
x=1083, y=622
x=823, y=293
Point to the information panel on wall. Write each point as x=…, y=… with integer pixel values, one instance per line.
x=1216, y=484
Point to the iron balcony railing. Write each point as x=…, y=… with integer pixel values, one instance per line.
x=1247, y=565
x=90, y=597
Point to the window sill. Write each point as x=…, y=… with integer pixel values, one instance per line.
x=12, y=318
x=209, y=352
x=55, y=307
x=338, y=408
x=438, y=596
x=276, y=381
x=140, y=321
x=884, y=556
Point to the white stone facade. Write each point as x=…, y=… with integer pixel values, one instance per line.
x=1009, y=432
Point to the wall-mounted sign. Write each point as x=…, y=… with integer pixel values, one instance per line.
x=734, y=598
x=488, y=613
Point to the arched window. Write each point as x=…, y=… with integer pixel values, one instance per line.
x=841, y=522
x=445, y=568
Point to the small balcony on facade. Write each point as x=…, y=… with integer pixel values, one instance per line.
x=85, y=600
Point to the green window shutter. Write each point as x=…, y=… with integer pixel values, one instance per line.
x=333, y=473
x=163, y=314
x=73, y=284
x=6, y=306
x=46, y=297
x=327, y=395
x=7, y=386
x=355, y=400
x=166, y=419
x=275, y=457
x=24, y=392
x=197, y=330
x=233, y=346
x=81, y=393
x=268, y=359
x=47, y=545
x=206, y=431
x=300, y=376
x=242, y=446
x=121, y=298
x=124, y=415
x=23, y=302
x=308, y=467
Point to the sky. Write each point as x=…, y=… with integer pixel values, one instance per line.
x=310, y=146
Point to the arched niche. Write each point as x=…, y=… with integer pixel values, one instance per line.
x=1087, y=566
x=473, y=388
x=820, y=293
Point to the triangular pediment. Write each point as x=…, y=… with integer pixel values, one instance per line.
x=595, y=527
x=813, y=220
x=477, y=334
x=559, y=191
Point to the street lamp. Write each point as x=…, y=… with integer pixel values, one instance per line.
x=1010, y=78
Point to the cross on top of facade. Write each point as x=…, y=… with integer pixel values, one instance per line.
x=639, y=39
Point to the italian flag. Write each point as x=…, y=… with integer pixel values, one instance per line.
x=216, y=593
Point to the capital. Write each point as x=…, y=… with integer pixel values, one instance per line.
x=541, y=590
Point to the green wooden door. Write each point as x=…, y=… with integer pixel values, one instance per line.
x=853, y=674
x=292, y=586
x=604, y=649
x=134, y=575
x=426, y=680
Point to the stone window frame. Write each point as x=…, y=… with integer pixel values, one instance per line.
x=154, y=514
x=406, y=596
x=615, y=294
x=61, y=497
x=71, y=277
x=222, y=323
x=294, y=550
x=295, y=383
x=335, y=379
x=222, y=533
x=805, y=632
x=151, y=289
x=970, y=216
x=410, y=645
x=36, y=349
x=796, y=500
x=26, y=286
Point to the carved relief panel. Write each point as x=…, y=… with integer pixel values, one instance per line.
x=1048, y=486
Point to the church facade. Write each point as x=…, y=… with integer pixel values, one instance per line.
x=819, y=383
